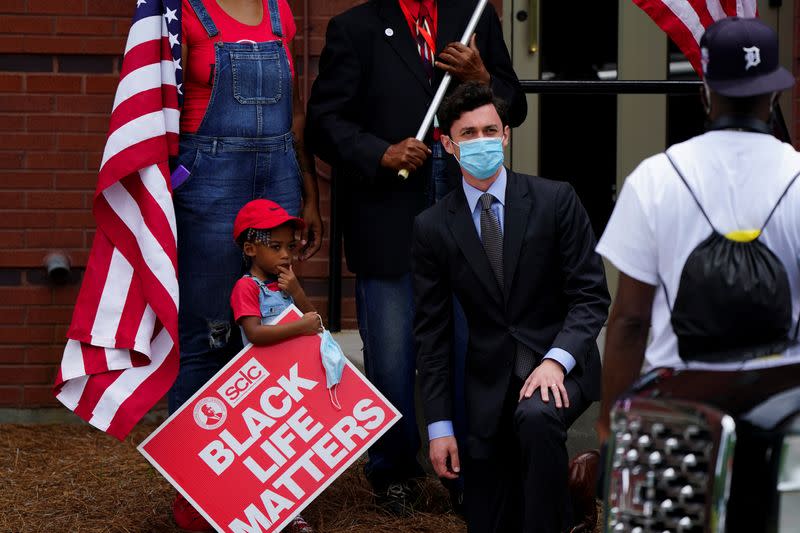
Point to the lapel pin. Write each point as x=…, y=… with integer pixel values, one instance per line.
x=389, y=32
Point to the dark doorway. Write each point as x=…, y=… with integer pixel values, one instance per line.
x=579, y=132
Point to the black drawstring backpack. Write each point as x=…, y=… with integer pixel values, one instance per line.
x=734, y=302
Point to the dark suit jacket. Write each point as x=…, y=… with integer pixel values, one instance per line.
x=371, y=92
x=555, y=295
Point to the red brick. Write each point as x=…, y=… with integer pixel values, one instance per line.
x=119, y=8
x=18, y=179
x=13, y=374
x=10, y=396
x=25, y=335
x=11, y=44
x=26, y=219
x=11, y=83
x=84, y=104
x=25, y=24
x=12, y=123
x=104, y=45
x=55, y=200
x=29, y=141
x=21, y=259
x=66, y=295
x=12, y=315
x=39, y=395
x=11, y=159
x=55, y=160
x=54, y=83
x=121, y=26
x=81, y=143
x=76, y=180
x=44, y=354
x=11, y=239
x=71, y=7
x=12, y=354
x=93, y=160
x=26, y=295
x=12, y=200
x=75, y=219
x=52, y=44
x=60, y=333
x=53, y=238
x=97, y=123
x=49, y=315
x=85, y=25
x=101, y=84
x=56, y=123
x=26, y=103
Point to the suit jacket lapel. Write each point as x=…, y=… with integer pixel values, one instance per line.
x=463, y=229
x=401, y=40
x=517, y=213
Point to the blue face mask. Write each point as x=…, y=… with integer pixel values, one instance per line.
x=333, y=362
x=481, y=157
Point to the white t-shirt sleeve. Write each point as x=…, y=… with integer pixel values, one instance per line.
x=628, y=241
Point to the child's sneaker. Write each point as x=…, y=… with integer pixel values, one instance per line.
x=186, y=517
x=298, y=525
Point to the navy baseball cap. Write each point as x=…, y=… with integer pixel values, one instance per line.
x=740, y=58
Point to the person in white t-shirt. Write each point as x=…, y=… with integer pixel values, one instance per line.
x=728, y=180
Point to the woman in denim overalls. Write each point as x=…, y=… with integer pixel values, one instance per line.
x=243, y=150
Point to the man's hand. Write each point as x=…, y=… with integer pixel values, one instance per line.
x=408, y=154
x=464, y=62
x=444, y=457
x=311, y=236
x=549, y=378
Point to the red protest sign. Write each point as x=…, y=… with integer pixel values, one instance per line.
x=262, y=439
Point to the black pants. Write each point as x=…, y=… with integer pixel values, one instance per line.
x=522, y=486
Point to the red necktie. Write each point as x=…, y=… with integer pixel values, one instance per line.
x=425, y=43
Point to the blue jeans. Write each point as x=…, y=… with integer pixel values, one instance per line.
x=385, y=309
x=242, y=150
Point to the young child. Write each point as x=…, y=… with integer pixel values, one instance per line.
x=266, y=234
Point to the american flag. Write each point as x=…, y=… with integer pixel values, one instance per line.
x=684, y=21
x=121, y=355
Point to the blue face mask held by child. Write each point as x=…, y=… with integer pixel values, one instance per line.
x=333, y=362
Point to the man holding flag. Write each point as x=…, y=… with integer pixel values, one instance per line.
x=380, y=68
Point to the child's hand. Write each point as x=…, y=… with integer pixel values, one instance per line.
x=287, y=282
x=310, y=324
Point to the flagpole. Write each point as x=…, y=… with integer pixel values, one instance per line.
x=437, y=98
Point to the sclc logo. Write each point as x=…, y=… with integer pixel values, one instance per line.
x=243, y=382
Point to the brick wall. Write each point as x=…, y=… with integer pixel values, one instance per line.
x=59, y=67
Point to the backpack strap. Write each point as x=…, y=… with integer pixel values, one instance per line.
x=666, y=293
x=780, y=199
x=699, y=205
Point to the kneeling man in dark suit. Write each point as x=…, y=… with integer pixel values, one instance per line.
x=518, y=253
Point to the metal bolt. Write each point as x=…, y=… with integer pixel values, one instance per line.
x=654, y=458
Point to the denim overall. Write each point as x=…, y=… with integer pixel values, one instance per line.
x=242, y=150
x=271, y=303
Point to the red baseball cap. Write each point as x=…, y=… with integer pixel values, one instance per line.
x=262, y=214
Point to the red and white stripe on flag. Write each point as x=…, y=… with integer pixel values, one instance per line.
x=121, y=355
x=684, y=21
